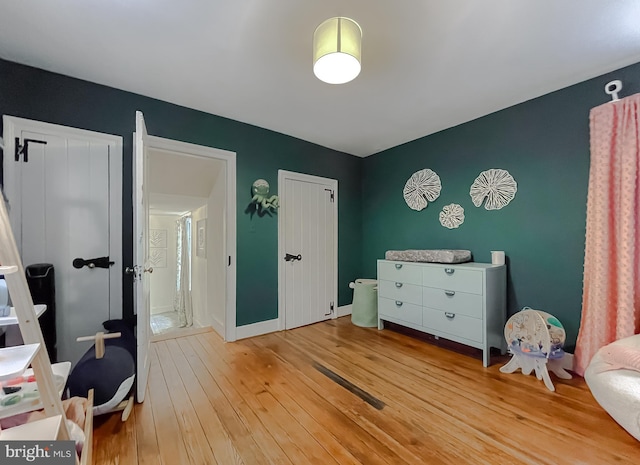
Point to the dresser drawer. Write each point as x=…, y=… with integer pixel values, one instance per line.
x=404, y=311
x=453, y=279
x=453, y=301
x=457, y=325
x=400, y=291
x=400, y=272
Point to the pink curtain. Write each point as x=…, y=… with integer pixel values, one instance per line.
x=611, y=294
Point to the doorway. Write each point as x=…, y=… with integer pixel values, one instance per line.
x=188, y=239
x=165, y=248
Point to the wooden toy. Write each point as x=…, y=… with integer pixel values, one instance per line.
x=535, y=339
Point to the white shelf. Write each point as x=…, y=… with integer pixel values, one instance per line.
x=12, y=319
x=8, y=269
x=29, y=399
x=42, y=430
x=15, y=360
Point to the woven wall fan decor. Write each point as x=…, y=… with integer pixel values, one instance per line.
x=421, y=188
x=496, y=186
x=452, y=216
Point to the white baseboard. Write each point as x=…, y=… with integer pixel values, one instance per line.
x=271, y=326
x=344, y=310
x=165, y=309
x=198, y=323
x=257, y=329
x=217, y=326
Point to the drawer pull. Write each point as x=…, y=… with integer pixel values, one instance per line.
x=398, y=303
x=449, y=270
x=451, y=316
x=450, y=293
x=398, y=285
x=398, y=266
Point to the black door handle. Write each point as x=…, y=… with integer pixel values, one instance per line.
x=100, y=262
x=289, y=257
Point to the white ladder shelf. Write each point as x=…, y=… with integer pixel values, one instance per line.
x=14, y=360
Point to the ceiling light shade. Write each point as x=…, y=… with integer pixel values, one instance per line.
x=336, y=50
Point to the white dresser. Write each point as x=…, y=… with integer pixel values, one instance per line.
x=465, y=303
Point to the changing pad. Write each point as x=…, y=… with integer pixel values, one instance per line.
x=429, y=256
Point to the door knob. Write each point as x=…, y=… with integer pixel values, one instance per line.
x=290, y=257
x=100, y=262
x=134, y=270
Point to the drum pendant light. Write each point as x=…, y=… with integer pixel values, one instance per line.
x=336, y=50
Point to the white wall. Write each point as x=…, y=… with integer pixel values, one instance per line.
x=163, y=279
x=199, y=298
x=217, y=261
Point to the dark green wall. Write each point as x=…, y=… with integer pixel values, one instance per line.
x=544, y=144
x=36, y=94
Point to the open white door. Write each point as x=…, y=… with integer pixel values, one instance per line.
x=141, y=269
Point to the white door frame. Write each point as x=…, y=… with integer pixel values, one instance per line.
x=159, y=143
x=282, y=221
x=11, y=127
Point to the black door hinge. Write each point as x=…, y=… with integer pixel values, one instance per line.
x=24, y=149
x=330, y=309
x=331, y=197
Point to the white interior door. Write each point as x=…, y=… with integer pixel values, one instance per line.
x=64, y=192
x=308, y=248
x=141, y=255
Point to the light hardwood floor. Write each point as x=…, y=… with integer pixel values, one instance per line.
x=262, y=401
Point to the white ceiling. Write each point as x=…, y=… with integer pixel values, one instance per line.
x=426, y=64
x=179, y=183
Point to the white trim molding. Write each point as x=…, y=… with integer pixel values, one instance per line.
x=344, y=310
x=218, y=326
x=257, y=329
x=155, y=142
